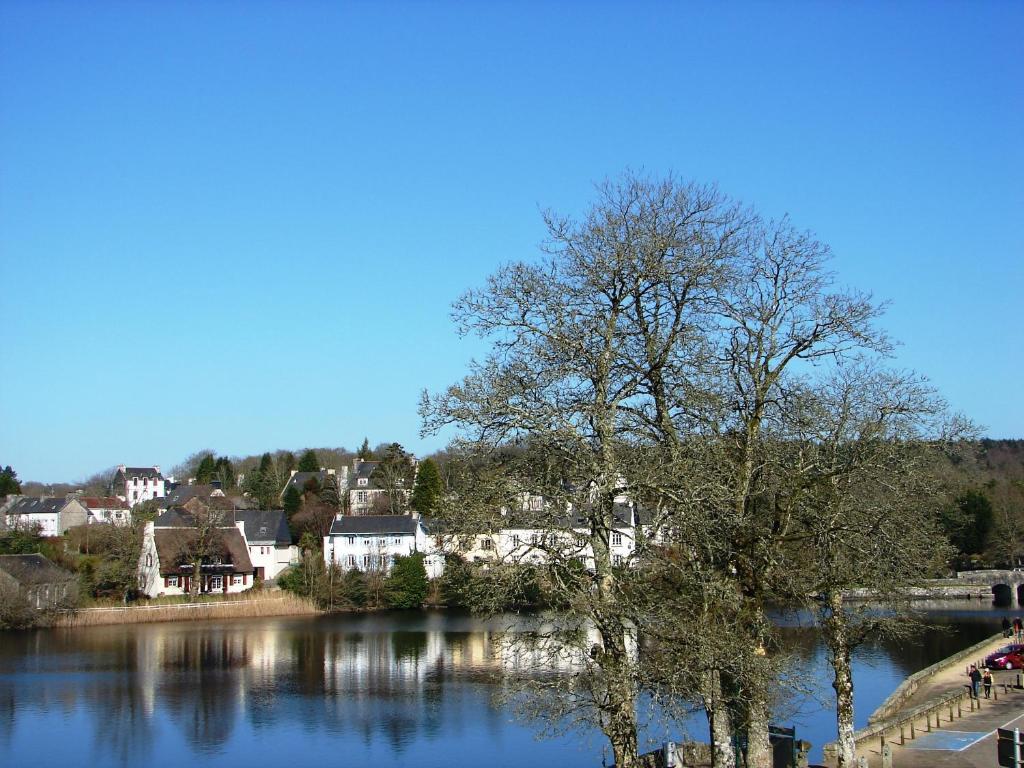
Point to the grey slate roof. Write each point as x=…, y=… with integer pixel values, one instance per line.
x=35, y=505
x=183, y=493
x=363, y=471
x=179, y=517
x=264, y=526
x=374, y=525
x=33, y=569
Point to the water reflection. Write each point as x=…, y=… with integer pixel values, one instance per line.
x=384, y=689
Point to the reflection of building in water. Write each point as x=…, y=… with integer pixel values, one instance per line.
x=544, y=651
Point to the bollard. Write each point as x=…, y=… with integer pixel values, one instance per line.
x=912, y=736
x=928, y=721
x=903, y=739
x=938, y=719
x=959, y=701
x=951, y=712
x=886, y=756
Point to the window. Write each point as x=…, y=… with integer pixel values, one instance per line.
x=617, y=560
x=216, y=582
x=396, y=541
x=149, y=559
x=486, y=543
x=361, y=497
x=516, y=540
x=172, y=581
x=363, y=481
x=135, y=481
x=535, y=538
x=366, y=562
x=616, y=539
x=236, y=579
x=351, y=540
x=351, y=561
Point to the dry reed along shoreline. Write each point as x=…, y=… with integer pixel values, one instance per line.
x=239, y=606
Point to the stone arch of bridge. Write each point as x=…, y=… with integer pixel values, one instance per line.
x=1003, y=594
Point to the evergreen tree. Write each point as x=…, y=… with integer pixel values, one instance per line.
x=206, y=470
x=406, y=585
x=309, y=462
x=427, y=490
x=292, y=501
x=364, y=450
x=225, y=472
x=9, y=481
x=330, y=494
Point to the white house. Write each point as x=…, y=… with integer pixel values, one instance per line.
x=534, y=536
x=107, y=509
x=371, y=542
x=365, y=486
x=165, y=567
x=138, y=484
x=269, y=541
x=53, y=514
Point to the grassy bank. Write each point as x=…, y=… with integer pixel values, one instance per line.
x=240, y=606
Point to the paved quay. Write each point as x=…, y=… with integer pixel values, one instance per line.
x=968, y=740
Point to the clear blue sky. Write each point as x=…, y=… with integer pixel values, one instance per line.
x=240, y=225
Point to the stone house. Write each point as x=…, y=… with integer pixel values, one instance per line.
x=43, y=584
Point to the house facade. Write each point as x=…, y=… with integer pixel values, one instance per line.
x=523, y=539
x=366, y=490
x=166, y=562
x=269, y=541
x=53, y=514
x=371, y=543
x=107, y=509
x=138, y=484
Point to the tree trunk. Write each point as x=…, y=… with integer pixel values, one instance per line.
x=719, y=723
x=835, y=636
x=759, y=748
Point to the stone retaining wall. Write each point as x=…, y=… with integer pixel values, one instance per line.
x=908, y=687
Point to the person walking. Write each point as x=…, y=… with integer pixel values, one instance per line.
x=975, y=676
x=986, y=680
x=1018, y=629
x=1006, y=626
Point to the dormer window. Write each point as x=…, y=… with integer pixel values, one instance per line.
x=363, y=481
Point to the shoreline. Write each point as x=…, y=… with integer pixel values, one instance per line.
x=257, y=606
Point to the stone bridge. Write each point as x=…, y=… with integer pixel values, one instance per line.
x=1007, y=586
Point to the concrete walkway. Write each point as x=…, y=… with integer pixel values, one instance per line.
x=968, y=741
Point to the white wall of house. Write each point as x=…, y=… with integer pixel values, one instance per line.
x=376, y=552
x=154, y=584
x=272, y=557
x=52, y=523
x=531, y=546
x=113, y=515
x=138, y=489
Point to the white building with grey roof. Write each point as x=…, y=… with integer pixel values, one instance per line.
x=372, y=542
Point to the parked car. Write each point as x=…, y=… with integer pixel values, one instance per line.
x=1007, y=657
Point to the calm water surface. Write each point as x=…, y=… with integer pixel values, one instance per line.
x=390, y=689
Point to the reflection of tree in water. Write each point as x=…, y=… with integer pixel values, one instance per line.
x=200, y=685
x=123, y=727
x=408, y=645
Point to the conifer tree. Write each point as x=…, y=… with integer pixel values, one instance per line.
x=309, y=462
x=427, y=490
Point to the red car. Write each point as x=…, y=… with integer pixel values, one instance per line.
x=1007, y=657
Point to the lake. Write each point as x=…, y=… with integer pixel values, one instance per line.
x=382, y=689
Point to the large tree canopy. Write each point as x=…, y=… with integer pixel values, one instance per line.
x=672, y=351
